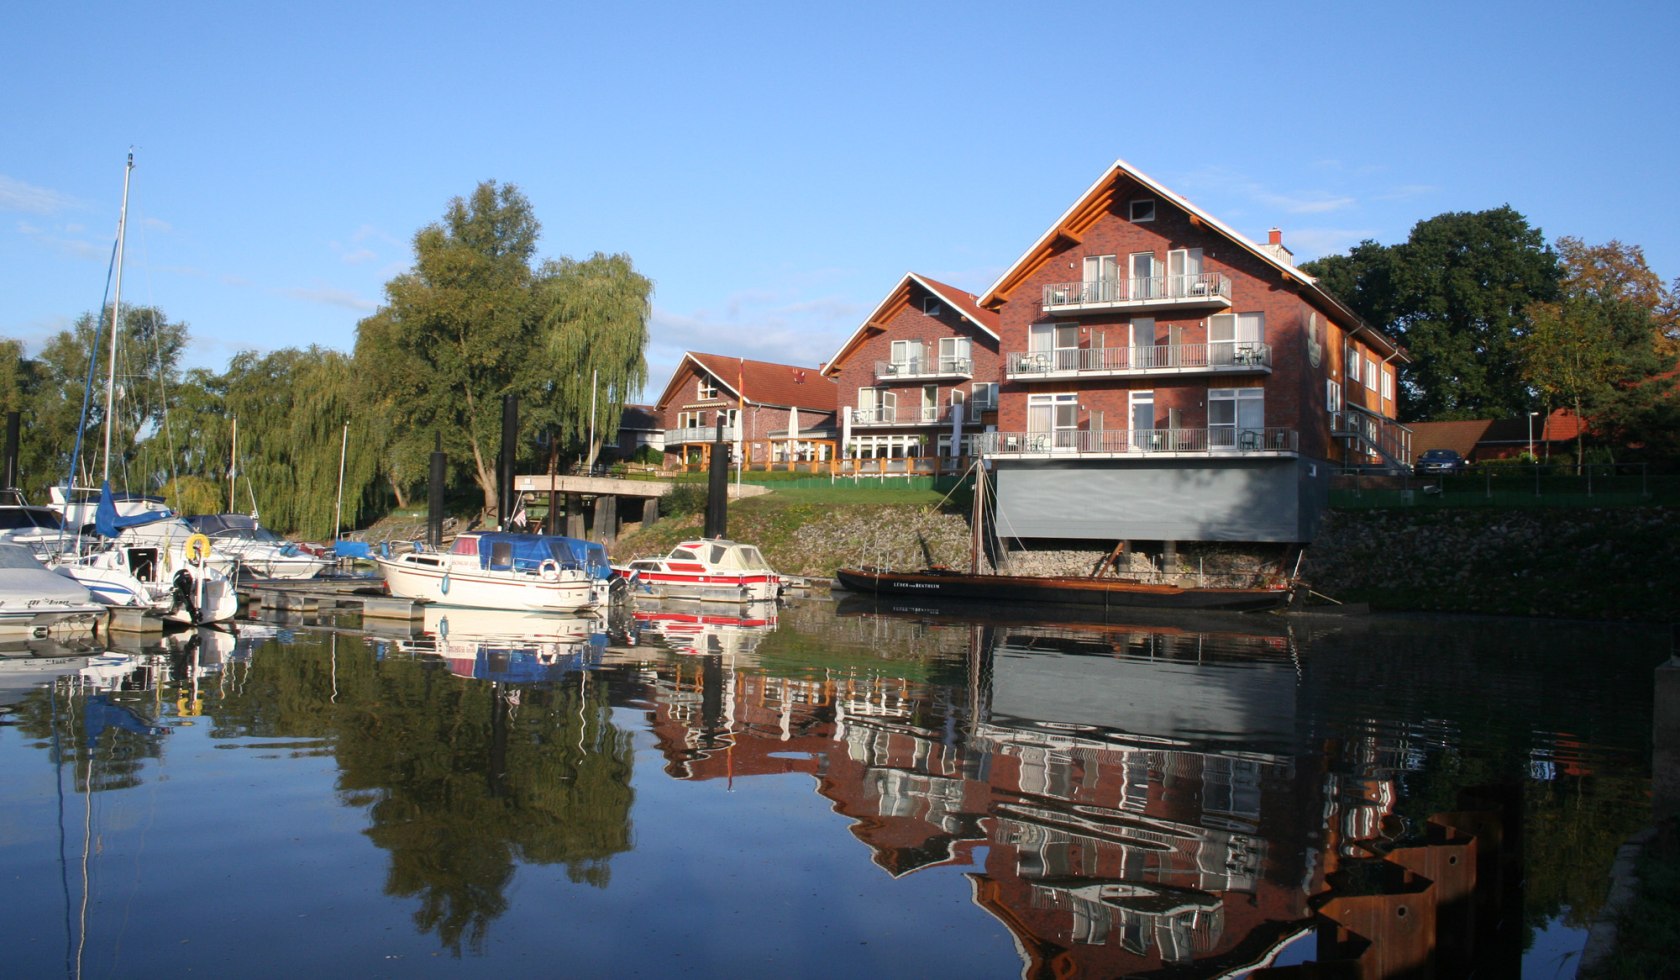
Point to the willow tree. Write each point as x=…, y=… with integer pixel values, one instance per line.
x=474, y=322
x=454, y=335
x=595, y=316
x=299, y=414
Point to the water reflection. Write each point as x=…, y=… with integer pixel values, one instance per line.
x=1153, y=795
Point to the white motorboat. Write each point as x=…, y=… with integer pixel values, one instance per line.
x=500, y=570
x=708, y=569
x=36, y=603
x=255, y=550
x=154, y=560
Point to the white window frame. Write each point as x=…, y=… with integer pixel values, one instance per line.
x=1351, y=362
x=1388, y=383
x=1100, y=278
x=955, y=355
x=1248, y=414
x=1054, y=417
x=907, y=355
x=706, y=388
x=931, y=306
x=1141, y=438
x=1229, y=333
x=1372, y=373
x=984, y=399
x=1184, y=272
x=1332, y=395
x=1142, y=275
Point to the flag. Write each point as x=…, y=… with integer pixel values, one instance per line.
x=518, y=518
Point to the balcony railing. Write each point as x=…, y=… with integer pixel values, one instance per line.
x=697, y=433
x=1219, y=357
x=901, y=416
x=929, y=366
x=1213, y=441
x=1201, y=289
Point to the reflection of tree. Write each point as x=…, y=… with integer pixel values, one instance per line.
x=462, y=778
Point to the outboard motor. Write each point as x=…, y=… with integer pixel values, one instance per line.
x=183, y=588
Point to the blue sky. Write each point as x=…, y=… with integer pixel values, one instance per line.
x=775, y=169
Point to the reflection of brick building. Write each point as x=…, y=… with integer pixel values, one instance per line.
x=1106, y=852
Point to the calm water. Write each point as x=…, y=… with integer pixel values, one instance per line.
x=820, y=789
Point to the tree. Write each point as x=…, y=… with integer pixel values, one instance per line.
x=473, y=322
x=149, y=348
x=595, y=314
x=1455, y=293
x=1601, y=348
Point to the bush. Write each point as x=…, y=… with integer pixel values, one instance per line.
x=684, y=500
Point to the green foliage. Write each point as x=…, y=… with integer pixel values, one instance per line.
x=1456, y=294
x=684, y=500
x=472, y=323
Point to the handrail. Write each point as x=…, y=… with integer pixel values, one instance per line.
x=1214, y=440
x=1232, y=355
x=1141, y=290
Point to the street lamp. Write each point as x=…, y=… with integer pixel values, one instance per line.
x=1531, y=434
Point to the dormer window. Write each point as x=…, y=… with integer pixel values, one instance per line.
x=1142, y=211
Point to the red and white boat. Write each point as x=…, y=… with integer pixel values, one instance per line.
x=708, y=569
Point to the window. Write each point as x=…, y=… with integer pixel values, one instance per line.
x=1234, y=338
x=1141, y=406
x=1184, y=273
x=1143, y=353
x=1350, y=357
x=1236, y=417
x=1101, y=274
x=932, y=306
x=1388, y=384
x=1332, y=396
x=1372, y=374
x=907, y=356
x=691, y=420
x=930, y=403
x=954, y=356
x=957, y=397
x=984, y=400
x=1053, y=345
x=1052, y=421
x=1142, y=210
x=1144, y=284
x=706, y=388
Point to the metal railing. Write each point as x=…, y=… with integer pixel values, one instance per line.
x=1201, y=287
x=901, y=416
x=1216, y=440
x=1240, y=356
x=698, y=433
x=927, y=365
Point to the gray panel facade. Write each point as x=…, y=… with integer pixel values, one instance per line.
x=1250, y=499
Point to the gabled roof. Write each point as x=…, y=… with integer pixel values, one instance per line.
x=761, y=382
x=1459, y=436
x=964, y=302
x=1114, y=184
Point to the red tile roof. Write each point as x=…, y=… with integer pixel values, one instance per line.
x=764, y=383
x=1459, y=436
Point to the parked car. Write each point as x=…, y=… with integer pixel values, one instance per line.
x=1440, y=461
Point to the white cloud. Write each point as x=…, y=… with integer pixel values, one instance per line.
x=15, y=195
x=328, y=296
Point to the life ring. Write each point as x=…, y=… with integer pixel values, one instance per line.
x=549, y=570
x=197, y=548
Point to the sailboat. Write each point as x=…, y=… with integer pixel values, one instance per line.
x=147, y=557
x=1098, y=591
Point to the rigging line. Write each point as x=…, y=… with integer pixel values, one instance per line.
x=87, y=396
x=157, y=352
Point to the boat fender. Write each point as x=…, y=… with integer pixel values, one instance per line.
x=198, y=548
x=445, y=584
x=549, y=570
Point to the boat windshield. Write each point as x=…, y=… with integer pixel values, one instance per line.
x=14, y=518
x=743, y=556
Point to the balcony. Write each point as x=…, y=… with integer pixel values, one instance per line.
x=1219, y=441
x=924, y=368
x=1159, y=360
x=1205, y=290
x=697, y=433
x=934, y=415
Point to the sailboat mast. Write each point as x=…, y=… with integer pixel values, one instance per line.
x=233, y=464
x=116, y=318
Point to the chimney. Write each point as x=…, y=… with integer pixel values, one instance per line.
x=1275, y=248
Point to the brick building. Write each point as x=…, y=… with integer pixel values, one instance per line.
x=1164, y=379
x=919, y=376
x=770, y=412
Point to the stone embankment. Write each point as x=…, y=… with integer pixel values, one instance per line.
x=1612, y=563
